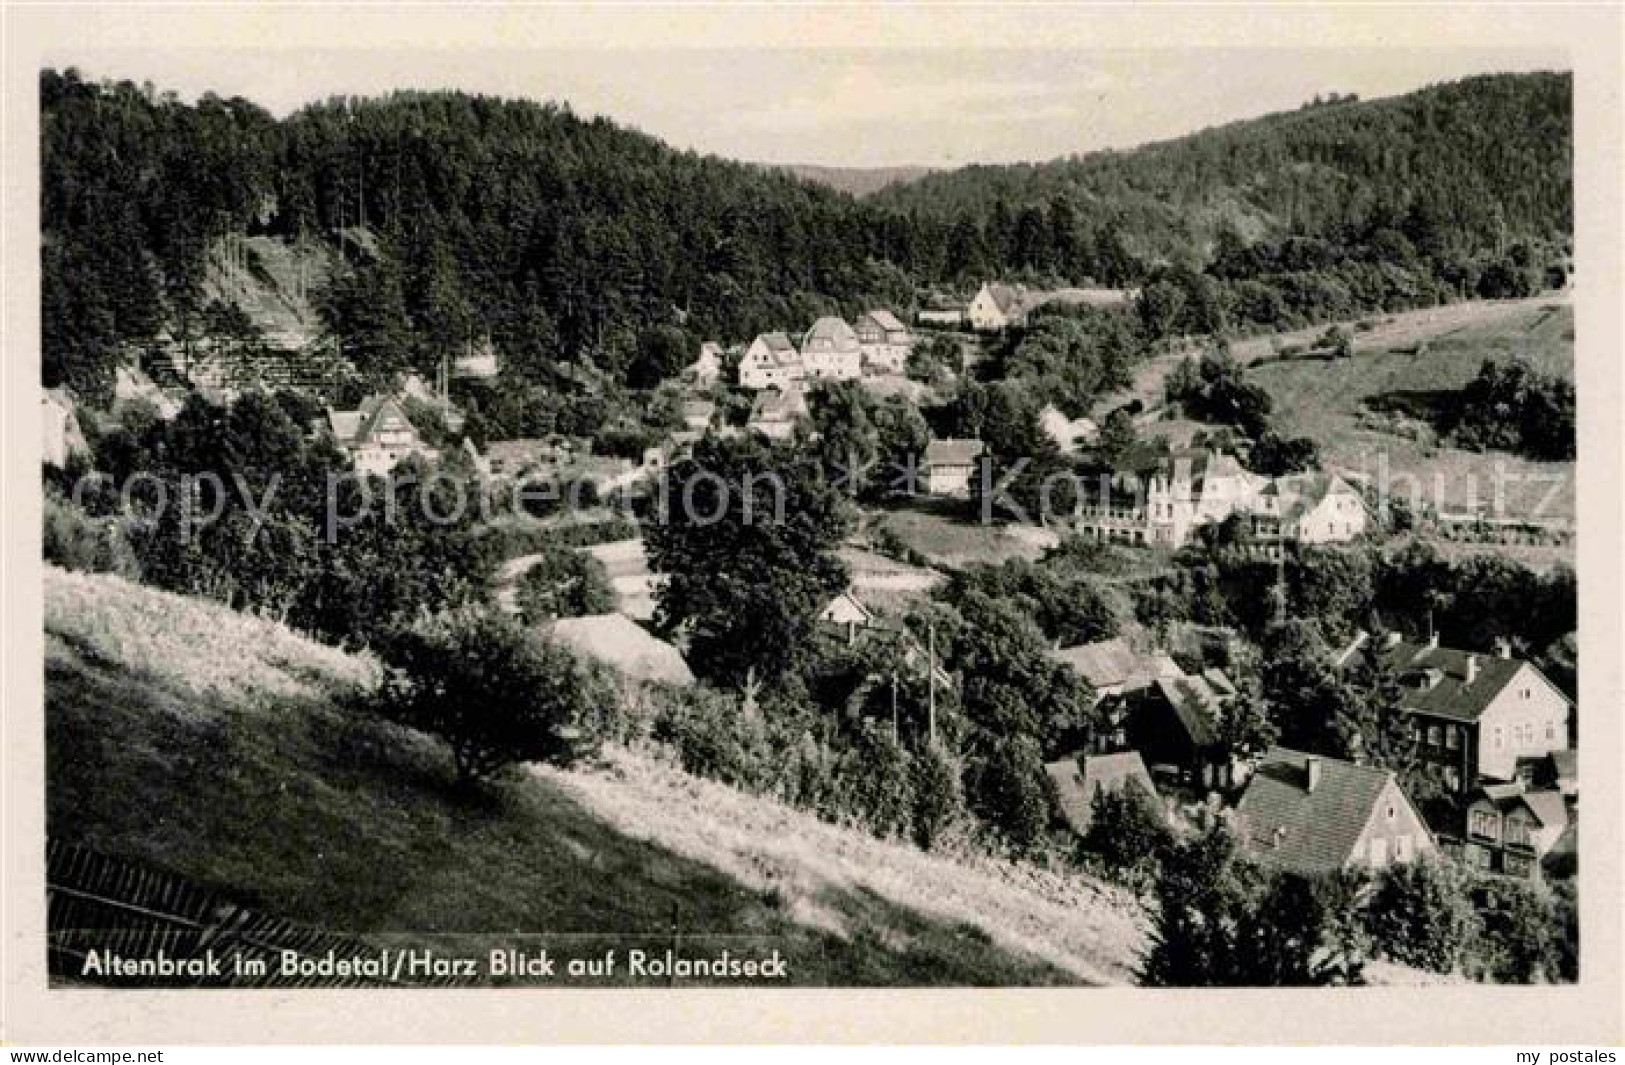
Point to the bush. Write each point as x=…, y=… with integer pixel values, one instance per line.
x=1127, y=833
x=875, y=786
x=1421, y=915
x=495, y=693
x=939, y=797
x=715, y=737
x=74, y=540
x=565, y=583
x=1518, y=944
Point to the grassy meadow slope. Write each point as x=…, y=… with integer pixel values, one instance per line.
x=214, y=745
x=1326, y=400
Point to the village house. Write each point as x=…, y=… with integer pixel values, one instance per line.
x=1476, y=715
x=1174, y=723
x=884, y=340
x=1312, y=815
x=1511, y=830
x=830, y=351
x=771, y=361
x=848, y=619
x=706, y=370
x=947, y=317
x=1162, y=502
x=697, y=414
x=1308, y=508
x=530, y=456
x=1079, y=780
x=63, y=438
x=949, y=465
x=1165, y=499
x=1116, y=671
x=777, y=412
x=478, y=361
x=996, y=307
x=378, y=436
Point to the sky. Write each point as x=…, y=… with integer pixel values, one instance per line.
x=936, y=107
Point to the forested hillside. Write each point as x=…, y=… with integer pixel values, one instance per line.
x=575, y=241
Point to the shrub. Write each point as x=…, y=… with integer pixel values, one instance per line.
x=875, y=785
x=495, y=693
x=715, y=737
x=565, y=583
x=1420, y=914
x=939, y=797
x=1517, y=945
x=1127, y=833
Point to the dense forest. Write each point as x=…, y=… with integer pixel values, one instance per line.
x=573, y=242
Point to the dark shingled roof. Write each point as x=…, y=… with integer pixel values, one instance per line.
x=1284, y=824
x=1196, y=702
x=1076, y=788
x=1452, y=696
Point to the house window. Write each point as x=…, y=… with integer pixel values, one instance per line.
x=1379, y=852
x=1517, y=832
x=1402, y=849
x=1500, y=738
x=1551, y=729
x=1433, y=736
x=1452, y=737
x=1418, y=730
x=1392, y=813
x=1452, y=778
x=1482, y=823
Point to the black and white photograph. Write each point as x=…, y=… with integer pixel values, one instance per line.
x=851, y=517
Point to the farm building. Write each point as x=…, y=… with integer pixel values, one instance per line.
x=1079, y=780
x=830, y=351
x=885, y=342
x=378, y=435
x=771, y=361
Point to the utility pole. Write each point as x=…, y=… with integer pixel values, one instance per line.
x=894, y=706
x=931, y=682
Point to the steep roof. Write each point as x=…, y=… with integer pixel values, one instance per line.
x=1076, y=788
x=1546, y=804
x=623, y=644
x=886, y=320
x=1006, y=297
x=1283, y=823
x=1450, y=695
x=1196, y=703
x=353, y=428
x=1301, y=493
x=776, y=405
x=952, y=451
x=779, y=348
x=1113, y=663
x=830, y=332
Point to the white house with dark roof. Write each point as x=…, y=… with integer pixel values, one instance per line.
x=884, y=340
x=949, y=465
x=378, y=435
x=1478, y=714
x=771, y=361
x=1308, y=814
x=830, y=351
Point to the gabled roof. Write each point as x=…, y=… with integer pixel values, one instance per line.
x=1114, y=664
x=830, y=332
x=1451, y=696
x=1006, y=297
x=1196, y=703
x=695, y=409
x=1546, y=805
x=358, y=427
x=886, y=320
x=778, y=405
x=779, y=348
x=1301, y=493
x=623, y=644
x=1283, y=823
x=952, y=451
x=1076, y=788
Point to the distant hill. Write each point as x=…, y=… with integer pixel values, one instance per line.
x=858, y=180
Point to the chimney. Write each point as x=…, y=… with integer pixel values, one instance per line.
x=1391, y=640
x=1472, y=668
x=1503, y=647
x=1433, y=640
x=1311, y=767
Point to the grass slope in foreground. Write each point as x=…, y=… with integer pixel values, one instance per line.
x=194, y=739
